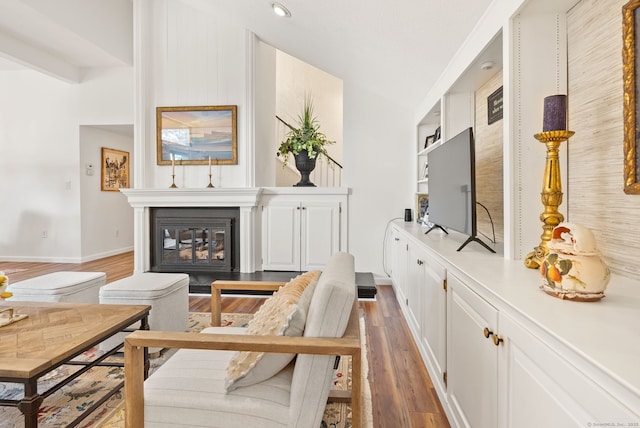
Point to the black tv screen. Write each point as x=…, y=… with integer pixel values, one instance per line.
x=452, y=199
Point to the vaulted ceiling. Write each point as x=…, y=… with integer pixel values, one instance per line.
x=394, y=48
x=61, y=38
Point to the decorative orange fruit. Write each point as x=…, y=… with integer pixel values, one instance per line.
x=554, y=274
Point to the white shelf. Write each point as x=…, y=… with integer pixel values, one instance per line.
x=432, y=146
x=427, y=128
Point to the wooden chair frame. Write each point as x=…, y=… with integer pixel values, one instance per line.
x=136, y=342
x=218, y=286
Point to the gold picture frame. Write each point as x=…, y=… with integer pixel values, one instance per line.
x=422, y=206
x=197, y=135
x=115, y=170
x=630, y=68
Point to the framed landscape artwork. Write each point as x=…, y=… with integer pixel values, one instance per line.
x=115, y=169
x=197, y=135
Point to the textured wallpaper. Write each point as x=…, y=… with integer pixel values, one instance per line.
x=595, y=179
x=489, y=190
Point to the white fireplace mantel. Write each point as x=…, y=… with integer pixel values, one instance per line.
x=229, y=197
x=247, y=199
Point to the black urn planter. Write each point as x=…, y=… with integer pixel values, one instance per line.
x=305, y=165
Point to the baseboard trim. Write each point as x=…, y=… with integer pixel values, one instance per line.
x=19, y=259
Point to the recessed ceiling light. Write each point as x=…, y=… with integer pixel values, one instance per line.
x=280, y=10
x=487, y=65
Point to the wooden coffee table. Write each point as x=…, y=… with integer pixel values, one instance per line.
x=52, y=335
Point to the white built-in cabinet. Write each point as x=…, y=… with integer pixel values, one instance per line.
x=502, y=353
x=398, y=255
x=472, y=360
x=534, y=369
x=420, y=287
x=302, y=228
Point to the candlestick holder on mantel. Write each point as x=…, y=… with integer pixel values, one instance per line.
x=551, y=194
x=173, y=182
x=210, y=185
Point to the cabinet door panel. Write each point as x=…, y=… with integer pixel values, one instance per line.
x=414, y=288
x=540, y=388
x=320, y=233
x=434, y=315
x=399, y=267
x=281, y=236
x=472, y=359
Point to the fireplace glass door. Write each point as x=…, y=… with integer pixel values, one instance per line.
x=204, y=246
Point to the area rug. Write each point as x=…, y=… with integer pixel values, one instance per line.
x=63, y=406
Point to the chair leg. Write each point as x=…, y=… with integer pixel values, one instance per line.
x=339, y=396
x=216, y=307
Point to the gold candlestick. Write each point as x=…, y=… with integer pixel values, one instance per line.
x=551, y=194
x=210, y=184
x=173, y=182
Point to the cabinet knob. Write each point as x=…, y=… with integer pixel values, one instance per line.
x=487, y=332
x=497, y=340
x=420, y=262
x=297, y=208
x=304, y=208
x=397, y=239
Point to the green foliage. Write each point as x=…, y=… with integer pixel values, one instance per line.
x=306, y=137
x=565, y=266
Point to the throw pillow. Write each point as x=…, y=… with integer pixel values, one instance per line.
x=283, y=314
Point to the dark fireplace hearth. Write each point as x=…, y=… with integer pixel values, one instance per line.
x=197, y=241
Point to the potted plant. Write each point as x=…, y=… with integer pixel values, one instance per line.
x=305, y=142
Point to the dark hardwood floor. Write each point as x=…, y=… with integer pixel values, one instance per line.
x=401, y=390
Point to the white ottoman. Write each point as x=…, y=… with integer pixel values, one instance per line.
x=76, y=287
x=166, y=293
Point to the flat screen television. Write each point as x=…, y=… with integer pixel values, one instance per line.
x=452, y=187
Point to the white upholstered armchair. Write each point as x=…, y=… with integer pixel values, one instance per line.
x=192, y=387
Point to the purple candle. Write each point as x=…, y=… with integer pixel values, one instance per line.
x=555, y=113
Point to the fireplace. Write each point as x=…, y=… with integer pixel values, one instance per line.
x=245, y=200
x=195, y=240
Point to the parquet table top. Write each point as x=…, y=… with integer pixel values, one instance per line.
x=56, y=332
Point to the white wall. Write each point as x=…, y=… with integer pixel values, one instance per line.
x=106, y=217
x=195, y=59
x=265, y=122
x=296, y=79
x=377, y=169
x=40, y=157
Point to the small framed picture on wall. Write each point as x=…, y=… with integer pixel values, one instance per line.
x=422, y=207
x=116, y=165
x=429, y=140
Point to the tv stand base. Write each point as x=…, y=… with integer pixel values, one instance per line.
x=435, y=226
x=476, y=239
